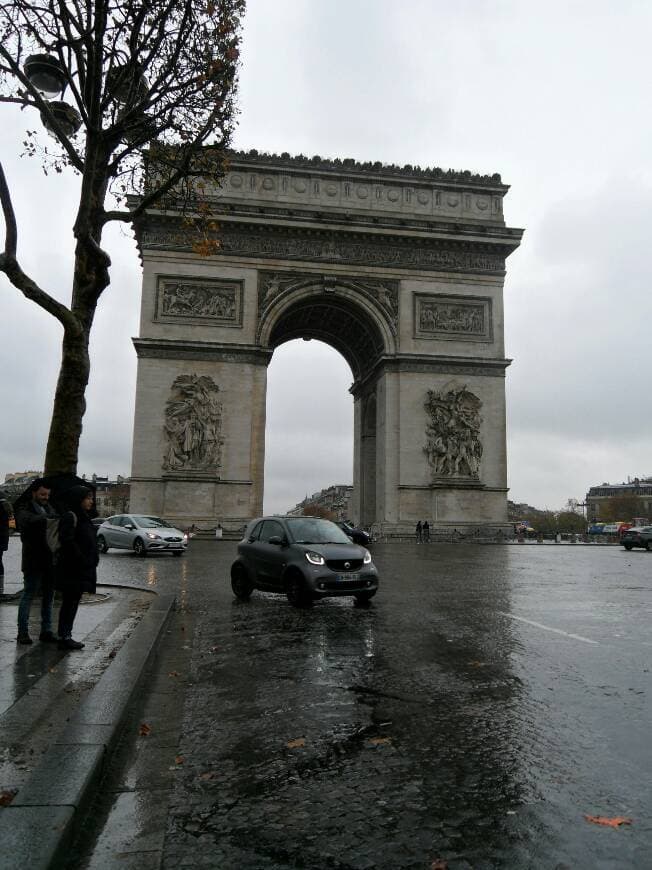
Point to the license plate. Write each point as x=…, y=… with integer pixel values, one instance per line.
x=349, y=576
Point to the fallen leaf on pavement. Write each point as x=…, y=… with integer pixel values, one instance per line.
x=477, y=664
x=7, y=796
x=613, y=822
x=173, y=674
x=439, y=864
x=144, y=729
x=296, y=744
x=209, y=774
x=178, y=759
x=52, y=670
x=380, y=741
x=214, y=648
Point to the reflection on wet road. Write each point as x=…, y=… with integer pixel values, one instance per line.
x=489, y=698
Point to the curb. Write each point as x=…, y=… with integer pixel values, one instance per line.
x=37, y=828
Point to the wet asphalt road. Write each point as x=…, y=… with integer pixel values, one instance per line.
x=489, y=698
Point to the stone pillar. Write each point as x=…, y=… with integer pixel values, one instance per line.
x=169, y=477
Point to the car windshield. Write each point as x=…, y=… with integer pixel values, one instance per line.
x=310, y=530
x=151, y=523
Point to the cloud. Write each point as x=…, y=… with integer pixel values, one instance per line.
x=553, y=96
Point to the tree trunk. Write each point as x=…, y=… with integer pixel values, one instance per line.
x=69, y=405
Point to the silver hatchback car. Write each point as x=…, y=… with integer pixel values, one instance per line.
x=142, y=534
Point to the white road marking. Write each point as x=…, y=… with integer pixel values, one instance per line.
x=549, y=628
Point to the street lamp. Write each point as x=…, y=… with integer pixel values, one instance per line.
x=46, y=74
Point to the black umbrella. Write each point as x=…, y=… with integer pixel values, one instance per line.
x=58, y=484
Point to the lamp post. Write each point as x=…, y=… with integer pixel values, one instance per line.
x=125, y=82
x=46, y=74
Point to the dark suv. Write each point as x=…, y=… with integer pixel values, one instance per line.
x=306, y=558
x=638, y=536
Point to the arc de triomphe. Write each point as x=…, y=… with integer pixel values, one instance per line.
x=399, y=269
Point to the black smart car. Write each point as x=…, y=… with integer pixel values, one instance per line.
x=305, y=558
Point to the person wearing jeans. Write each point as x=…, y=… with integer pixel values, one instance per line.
x=32, y=514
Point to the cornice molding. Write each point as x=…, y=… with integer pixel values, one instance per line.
x=162, y=348
x=345, y=165
x=335, y=246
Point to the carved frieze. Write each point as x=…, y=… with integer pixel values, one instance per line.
x=453, y=318
x=372, y=250
x=453, y=445
x=199, y=300
x=382, y=293
x=193, y=426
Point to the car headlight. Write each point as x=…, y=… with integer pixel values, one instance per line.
x=153, y=537
x=367, y=557
x=185, y=539
x=314, y=558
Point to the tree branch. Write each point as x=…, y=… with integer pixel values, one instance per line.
x=9, y=265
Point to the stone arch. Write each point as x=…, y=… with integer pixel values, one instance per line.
x=338, y=313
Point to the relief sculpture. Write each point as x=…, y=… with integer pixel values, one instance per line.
x=453, y=443
x=183, y=299
x=193, y=425
x=449, y=317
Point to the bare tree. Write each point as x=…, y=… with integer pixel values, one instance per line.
x=150, y=87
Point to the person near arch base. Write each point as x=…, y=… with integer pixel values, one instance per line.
x=33, y=510
x=76, y=561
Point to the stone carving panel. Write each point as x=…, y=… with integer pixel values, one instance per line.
x=453, y=445
x=328, y=248
x=382, y=293
x=217, y=303
x=193, y=425
x=456, y=318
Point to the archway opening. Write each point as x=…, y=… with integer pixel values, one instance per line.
x=309, y=424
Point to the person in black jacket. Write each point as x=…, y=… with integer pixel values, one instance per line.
x=77, y=559
x=32, y=513
x=6, y=513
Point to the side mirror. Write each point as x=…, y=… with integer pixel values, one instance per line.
x=276, y=539
x=130, y=527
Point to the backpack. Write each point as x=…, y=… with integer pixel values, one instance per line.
x=52, y=533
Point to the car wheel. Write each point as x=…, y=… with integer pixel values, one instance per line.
x=139, y=547
x=101, y=544
x=648, y=545
x=240, y=583
x=628, y=546
x=363, y=598
x=296, y=591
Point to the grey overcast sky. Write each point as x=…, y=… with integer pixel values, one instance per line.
x=553, y=95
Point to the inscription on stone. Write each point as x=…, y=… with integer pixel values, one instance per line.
x=193, y=425
x=218, y=302
x=453, y=317
x=453, y=445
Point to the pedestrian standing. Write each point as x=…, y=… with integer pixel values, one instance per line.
x=419, y=533
x=6, y=513
x=32, y=514
x=77, y=559
x=426, y=532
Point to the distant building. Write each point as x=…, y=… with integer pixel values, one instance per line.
x=111, y=496
x=336, y=499
x=639, y=487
